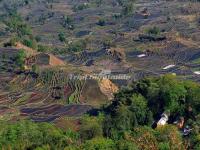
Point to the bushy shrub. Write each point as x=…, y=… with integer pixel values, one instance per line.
x=154, y=31
x=101, y=22
x=30, y=43
x=77, y=46
x=20, y=58
x=62, y=37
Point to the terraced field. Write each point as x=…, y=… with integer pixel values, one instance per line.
x=157, y=38
x=48, y=97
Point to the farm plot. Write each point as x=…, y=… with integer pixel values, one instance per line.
x=52, y=112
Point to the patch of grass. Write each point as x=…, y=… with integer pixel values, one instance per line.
x=196, y=61
x=22, y=100
x=153, y=31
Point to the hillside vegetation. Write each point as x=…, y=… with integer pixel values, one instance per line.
x=126, y=123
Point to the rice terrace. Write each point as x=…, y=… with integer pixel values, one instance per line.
x=99, y=74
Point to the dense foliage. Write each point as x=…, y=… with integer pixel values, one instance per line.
x=29, y=135
x=143, y=103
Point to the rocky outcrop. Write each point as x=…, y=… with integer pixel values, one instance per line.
x=108, y=88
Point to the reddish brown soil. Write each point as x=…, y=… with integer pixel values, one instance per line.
x=54, y=61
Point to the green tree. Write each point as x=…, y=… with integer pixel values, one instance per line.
x=126, y=112
x=77, y=46
x=24, y=135
x=169, y=134
x=128, y=9
x=15, y=24
x=192, y=96
x=172, y=93
x=99, y=144
x=124, y=144
x=20, y=58
x=164, y=93
x=43, y=48
x=91, y=127
x=62, y=37
x=30, y=43
x=143, y=137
